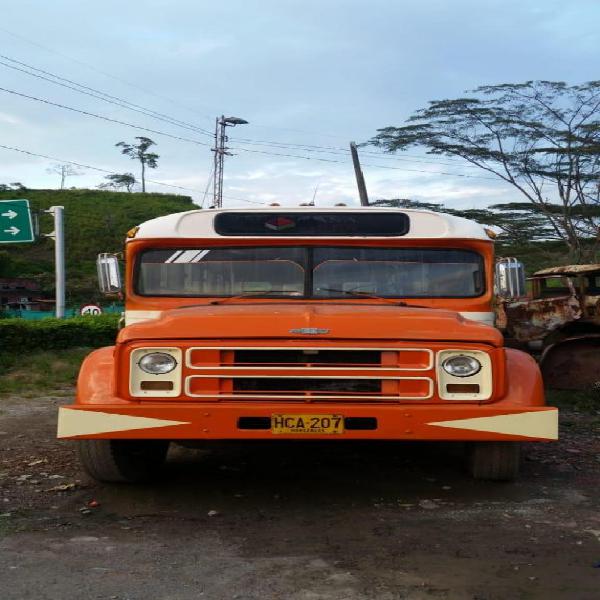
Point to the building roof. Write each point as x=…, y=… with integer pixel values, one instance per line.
x=568, y=270
x=200, y=223
x=20, y=283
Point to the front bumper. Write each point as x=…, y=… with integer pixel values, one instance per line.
x=221, y=421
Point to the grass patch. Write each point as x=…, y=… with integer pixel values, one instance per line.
x=579, y=407
x=586, y=401
x=40, y=372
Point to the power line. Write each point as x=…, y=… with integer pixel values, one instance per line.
x=239, y=148
x=139, y=109
x=331, y=160
x=102, y=72
x=347, y=151
x=145, y=90
x=86, y=166
x=208, y=182
x=100, y=95
x=104, y=118
x=115, y=100
x=344, y=152
x=170, y=100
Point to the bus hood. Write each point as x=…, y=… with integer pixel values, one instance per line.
x=311, y=321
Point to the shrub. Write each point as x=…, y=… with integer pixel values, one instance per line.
x=20, y=336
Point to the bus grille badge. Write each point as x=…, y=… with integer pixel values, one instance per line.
x=310, y=331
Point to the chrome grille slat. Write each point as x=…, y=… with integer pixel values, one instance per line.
x=400, y=350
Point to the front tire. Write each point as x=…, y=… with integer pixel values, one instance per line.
x=496, y=461
x=129, y=461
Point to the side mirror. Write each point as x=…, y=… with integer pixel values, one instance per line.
x=510, y=279
x=109, y=275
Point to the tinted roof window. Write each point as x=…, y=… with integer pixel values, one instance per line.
x=312, y=224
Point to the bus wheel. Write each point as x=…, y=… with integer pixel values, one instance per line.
x=129, y=461
x=498, y=461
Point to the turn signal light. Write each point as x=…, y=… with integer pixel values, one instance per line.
x=162, y=386
x=462, y=388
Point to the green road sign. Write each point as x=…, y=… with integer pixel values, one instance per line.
x=15, y=222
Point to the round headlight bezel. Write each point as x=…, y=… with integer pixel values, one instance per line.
x=172, y=361
x=476, y=364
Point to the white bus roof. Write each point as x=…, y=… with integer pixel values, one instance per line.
x=424, y=224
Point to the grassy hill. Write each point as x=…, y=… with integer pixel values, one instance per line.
x=95, y=221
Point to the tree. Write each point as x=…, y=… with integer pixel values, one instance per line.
x=118, y=181
x=6, y=263
x=64, y=171
x=16, y=186
x=517, y=222
x=139, y=152
x=541, y=137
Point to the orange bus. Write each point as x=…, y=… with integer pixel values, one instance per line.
x=305, y=323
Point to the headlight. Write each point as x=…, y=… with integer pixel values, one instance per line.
x=461, y=366
x=157, y=363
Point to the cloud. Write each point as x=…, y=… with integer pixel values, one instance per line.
x=308, y=73
x=10, y=119
x=194, y=49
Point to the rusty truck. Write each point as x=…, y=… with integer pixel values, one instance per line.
x=559, y=321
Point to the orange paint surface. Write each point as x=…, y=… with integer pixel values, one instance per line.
x=214, y=399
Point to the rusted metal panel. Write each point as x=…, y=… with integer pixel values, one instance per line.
x=591, y=307
x=535, y=318
x=529, y=320
x=569, y=270
x=545, y=321
x=573, y=363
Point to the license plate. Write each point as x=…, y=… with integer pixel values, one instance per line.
x=309, y=424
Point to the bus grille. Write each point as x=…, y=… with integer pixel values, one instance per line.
x=309, y=373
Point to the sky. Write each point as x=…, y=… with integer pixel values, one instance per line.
x=309, y=77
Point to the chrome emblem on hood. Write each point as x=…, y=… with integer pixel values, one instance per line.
x=309, y=331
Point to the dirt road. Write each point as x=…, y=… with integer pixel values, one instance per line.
x=297, y=521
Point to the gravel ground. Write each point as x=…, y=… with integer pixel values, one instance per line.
x=298, y=521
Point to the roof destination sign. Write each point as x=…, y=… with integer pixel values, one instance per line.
x=311, y=224
x=15, y=222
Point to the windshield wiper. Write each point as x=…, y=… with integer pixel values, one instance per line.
x=354, y=293
x=358, y=293
x=254, y=294
x=245, y=295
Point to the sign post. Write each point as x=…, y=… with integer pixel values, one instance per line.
x=58, y=235
x=16, y=225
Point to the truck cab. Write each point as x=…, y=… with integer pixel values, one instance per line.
x=560, y=319
x=305, y=323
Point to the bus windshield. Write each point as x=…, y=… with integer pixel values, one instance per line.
x=310, y=272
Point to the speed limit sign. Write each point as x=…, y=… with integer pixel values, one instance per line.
x=90, y=309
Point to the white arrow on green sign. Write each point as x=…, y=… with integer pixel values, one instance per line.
x=15, y=222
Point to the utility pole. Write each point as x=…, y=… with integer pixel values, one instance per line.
x=58, y=235
x=360, y=178
x=221, y=151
